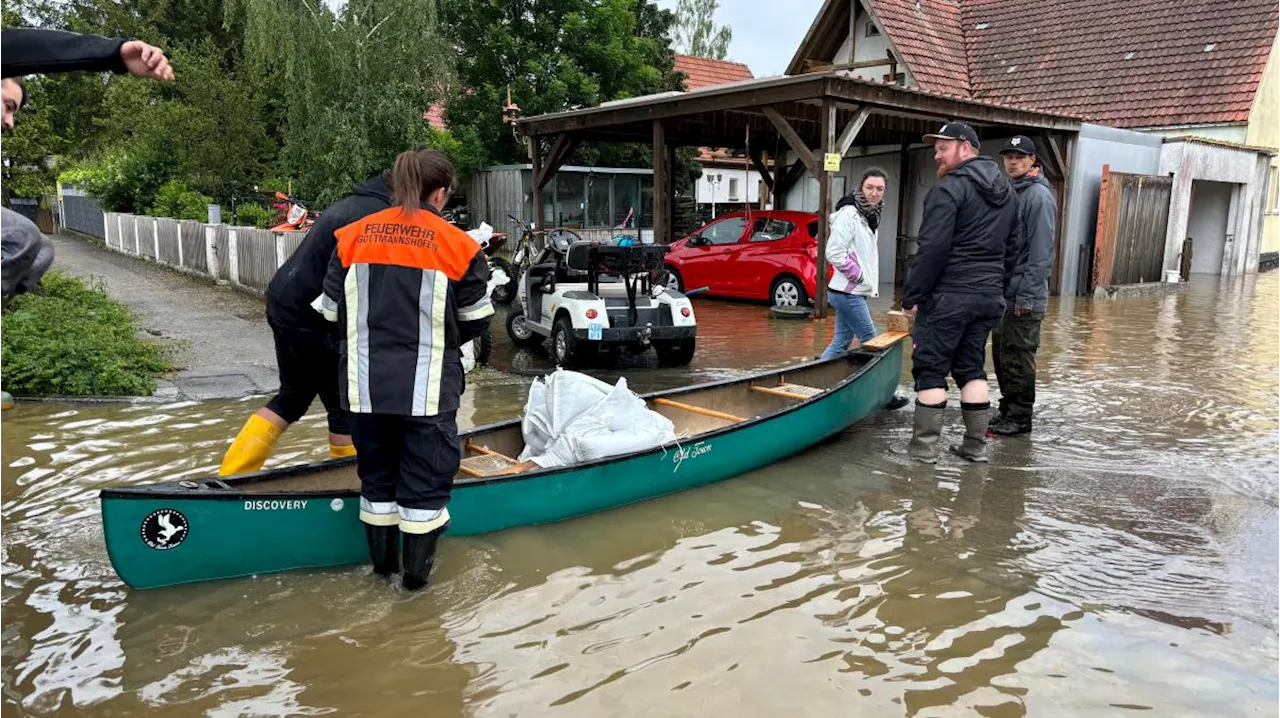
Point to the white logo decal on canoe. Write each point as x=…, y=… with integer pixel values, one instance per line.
x=164, y=529
x=689, y=452
x=336, y=504
x=275, y=505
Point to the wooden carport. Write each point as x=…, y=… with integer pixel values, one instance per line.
x=813, y=115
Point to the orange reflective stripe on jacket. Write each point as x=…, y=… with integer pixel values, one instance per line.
x=421, y=240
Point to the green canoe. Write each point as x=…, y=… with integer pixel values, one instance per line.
x=305, y=516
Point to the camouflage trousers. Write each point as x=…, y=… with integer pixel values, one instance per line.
x=1013, y=349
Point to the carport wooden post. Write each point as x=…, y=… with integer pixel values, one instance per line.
x=661, y=212
x=535, y=158
x=824, y=207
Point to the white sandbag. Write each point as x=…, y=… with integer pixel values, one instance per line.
x=572, y=418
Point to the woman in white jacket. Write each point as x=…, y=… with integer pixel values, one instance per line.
x=853, y=254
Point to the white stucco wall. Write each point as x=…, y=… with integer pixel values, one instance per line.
x=1191, y=161
x=1224, y=133
x=708, y=191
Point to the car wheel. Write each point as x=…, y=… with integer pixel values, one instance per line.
x=674, y=352
x=567, y=350
x=671, y=279
x=519, y=331
x=788, y=292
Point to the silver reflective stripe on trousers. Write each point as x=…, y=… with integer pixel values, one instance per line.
x=422, y=521
x=379, y=513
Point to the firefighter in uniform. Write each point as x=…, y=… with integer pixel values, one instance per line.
x=407, y=290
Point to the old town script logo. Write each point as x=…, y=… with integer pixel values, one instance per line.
x=689, y=452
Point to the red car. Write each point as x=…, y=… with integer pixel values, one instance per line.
x=775, y=261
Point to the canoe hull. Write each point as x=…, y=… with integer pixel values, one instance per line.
x=213, y=534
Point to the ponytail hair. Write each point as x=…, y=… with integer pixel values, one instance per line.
x=416, y=175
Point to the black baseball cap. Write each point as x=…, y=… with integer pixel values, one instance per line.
x=955, y=131
x=1021, y=144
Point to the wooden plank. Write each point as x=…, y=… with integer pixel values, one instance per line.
x=778, y=392
x=800, y=389
x=560, y=151
x=883, y=341
x=898, y=322
x=793, y=139
x=699, y=410
x=851, y=131
x=1102, y=247
x=1059, y=164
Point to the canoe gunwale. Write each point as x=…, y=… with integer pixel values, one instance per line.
x=170, y=489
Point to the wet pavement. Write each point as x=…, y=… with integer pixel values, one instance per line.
x=1122, y=559
x=219, y=337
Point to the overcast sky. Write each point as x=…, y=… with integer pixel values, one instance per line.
x=765, y=34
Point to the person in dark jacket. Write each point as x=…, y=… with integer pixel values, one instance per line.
x=27, y=254
x=1017, y=337
x=955, y=288
x=306, y=344
x=407, y=289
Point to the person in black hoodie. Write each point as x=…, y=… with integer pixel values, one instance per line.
x=955, y=288
x=306, y=344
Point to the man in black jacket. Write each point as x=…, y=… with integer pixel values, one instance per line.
x=26, y=253
x=955, y=287
x=306, y=344
x=1017, y=337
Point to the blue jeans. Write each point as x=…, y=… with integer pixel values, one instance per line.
x=853, y=319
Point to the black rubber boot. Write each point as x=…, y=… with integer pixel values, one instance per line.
x=897, y=402
x=419, y=557
x=384, y=548
x=974, y=445
x=1010, y=426
x=925, y=432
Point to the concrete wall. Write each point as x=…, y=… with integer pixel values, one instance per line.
x=1264, y=131
x=1207, y=224
x=1191, y=161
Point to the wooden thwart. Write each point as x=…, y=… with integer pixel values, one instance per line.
x=699, y=410
x=491, y=463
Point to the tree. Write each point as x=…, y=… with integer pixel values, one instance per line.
x=696, y=32
x=554, y=55
x=353, y=84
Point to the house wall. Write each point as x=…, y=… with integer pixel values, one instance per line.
x=1223, y=133
x=748, y=184
x=1264, y=131
x=868, y=48
x=1190, y=161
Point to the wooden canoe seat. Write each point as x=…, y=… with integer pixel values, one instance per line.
x=883, y=341
x=491, y=463
x=699, y=410
x=789, y=391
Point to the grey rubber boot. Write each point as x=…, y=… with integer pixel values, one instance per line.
x=974, y=445
x=925, y=432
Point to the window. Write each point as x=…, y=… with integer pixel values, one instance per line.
x=571, y=200
x=599, y=212
x=733, y=189
x=1273, y=201
x=726, y=231
x=872, y=30
x=771, y=230
x=626, y=198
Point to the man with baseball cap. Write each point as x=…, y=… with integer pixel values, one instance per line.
x=955, y=288
x=1017, y=336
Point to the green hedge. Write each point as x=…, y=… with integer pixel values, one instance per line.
x=74, y=340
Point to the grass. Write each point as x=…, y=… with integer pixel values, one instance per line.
x=71, y=339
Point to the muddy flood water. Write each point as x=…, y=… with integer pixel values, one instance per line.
x=1122, y=560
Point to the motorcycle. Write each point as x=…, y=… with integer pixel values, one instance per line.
x=297, y=217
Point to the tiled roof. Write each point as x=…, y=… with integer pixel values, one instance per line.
x=930, y=39
x=703, y=72
x=1126, y=63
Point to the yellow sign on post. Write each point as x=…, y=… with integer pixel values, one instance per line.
x=831, y=162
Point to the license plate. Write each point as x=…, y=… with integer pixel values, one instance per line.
x=595, y=331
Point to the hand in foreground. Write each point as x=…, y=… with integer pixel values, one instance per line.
x=911, y=312
x=146, y=61
x=1020, y=311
